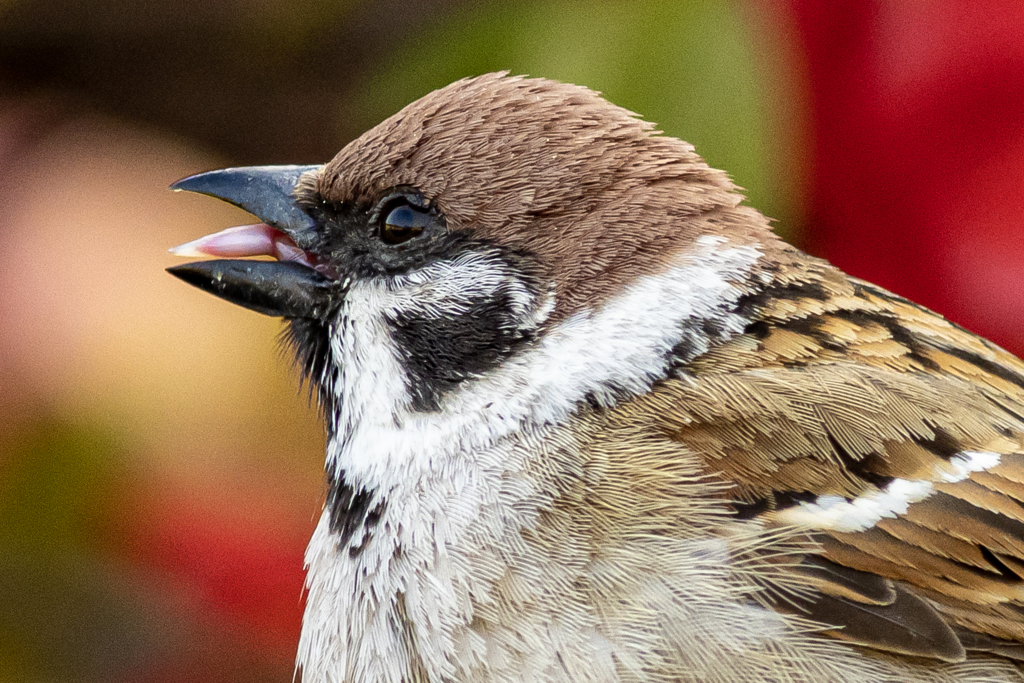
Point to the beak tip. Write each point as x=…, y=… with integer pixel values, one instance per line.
x=183, y=184
x=179, y=272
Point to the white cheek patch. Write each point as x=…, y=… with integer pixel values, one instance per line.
x=448, y=288
x=621, y=348
x=836, y=513
x=371, y=393
x=626, y=345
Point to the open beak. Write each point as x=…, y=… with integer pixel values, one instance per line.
x=294, y=286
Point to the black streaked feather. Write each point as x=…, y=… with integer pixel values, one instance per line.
x=352, y=509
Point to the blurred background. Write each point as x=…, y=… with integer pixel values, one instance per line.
x=160, y=471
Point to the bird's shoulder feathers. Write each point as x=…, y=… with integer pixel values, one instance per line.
x=890, y=437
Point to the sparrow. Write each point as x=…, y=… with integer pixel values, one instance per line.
x=589, y=419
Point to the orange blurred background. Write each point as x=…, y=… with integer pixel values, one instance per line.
x=160, y=470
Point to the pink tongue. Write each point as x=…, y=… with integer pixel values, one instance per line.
x=245, y=240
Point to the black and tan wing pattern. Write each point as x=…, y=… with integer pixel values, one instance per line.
x=895, y=438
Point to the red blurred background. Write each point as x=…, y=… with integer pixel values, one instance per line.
x=918, y=172
x=159, y=470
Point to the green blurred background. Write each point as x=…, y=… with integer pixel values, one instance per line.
x=160, y=471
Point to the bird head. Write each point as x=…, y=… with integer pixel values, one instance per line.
x=473, y=222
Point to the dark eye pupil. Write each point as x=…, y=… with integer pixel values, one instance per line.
x=403, y=223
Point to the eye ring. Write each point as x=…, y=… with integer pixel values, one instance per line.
x=402, y=222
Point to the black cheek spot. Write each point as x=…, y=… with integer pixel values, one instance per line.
x=438, y=353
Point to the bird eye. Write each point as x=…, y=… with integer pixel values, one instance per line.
x=403, y=223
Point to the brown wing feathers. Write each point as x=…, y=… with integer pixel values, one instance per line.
x=840, y=389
